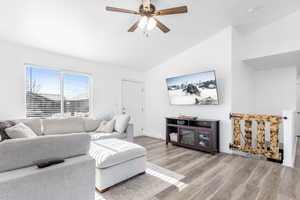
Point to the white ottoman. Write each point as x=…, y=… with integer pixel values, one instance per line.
x=116, y=161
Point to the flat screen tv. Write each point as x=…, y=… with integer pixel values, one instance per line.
x=193, y=89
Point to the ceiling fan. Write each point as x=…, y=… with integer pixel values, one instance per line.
x=148, y=13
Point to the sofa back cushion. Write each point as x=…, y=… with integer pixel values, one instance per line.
x=35, y=124
x=24, y=152
x=62, y=126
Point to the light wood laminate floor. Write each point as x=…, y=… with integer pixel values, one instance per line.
x=222, y=176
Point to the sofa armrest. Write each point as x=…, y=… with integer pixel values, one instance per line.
x=19, y=153
x=74, y=179
x=129, y=133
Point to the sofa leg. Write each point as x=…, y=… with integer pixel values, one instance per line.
x=103, y=190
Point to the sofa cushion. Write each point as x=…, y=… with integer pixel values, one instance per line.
x=106, y=126
x=23, y=152
x=4, y=125
x=101, y=136
x=111, y=152
x=35, y=124
x=121, y=123
x=20, y=131
x=62, y=126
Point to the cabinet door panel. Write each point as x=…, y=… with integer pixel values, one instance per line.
x=203, y=139
x=187, y=136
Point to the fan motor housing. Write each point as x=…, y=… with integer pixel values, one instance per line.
x=145, y=12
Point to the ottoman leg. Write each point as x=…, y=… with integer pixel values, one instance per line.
x=142, y=173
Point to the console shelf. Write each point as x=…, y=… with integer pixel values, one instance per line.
x=195, y=134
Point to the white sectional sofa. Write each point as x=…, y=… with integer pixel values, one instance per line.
x=44, y=127
x=67, y=139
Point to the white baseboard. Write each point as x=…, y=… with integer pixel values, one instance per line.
x=153, y=135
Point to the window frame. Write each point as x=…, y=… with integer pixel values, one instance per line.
x=62, y=72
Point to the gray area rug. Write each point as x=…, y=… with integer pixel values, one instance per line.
x=146, y=186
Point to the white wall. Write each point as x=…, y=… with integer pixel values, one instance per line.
x=242, y=88
x=298, y=108
x=290, y=140
x=298, y=96
x=277, y=37
x=275, y=90
x=242, y=78
x=106, y=78
x=212, y=54
x=270, y=50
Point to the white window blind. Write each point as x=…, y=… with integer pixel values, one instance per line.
x=53, y=93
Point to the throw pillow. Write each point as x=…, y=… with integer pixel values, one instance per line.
x=106, y=126
x=20, y=131
x=121, y=123
x=4, y=125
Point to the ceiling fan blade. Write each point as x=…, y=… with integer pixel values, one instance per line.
x=121, y=10
x=146, y=4
x=161, y=26
x=134, y=26
x=172, y=11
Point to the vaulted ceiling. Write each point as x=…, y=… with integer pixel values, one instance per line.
x=83, y=29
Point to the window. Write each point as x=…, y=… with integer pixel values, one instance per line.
x=76, y=94
x=53, y=93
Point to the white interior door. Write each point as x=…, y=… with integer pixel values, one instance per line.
x=133, y=104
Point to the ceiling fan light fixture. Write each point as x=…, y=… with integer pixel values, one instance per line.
x=151, y=24
x=143, y=22
x=148, y=14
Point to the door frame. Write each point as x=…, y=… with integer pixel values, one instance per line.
x=122, y=96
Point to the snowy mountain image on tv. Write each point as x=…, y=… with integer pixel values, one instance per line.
x=194, y=89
